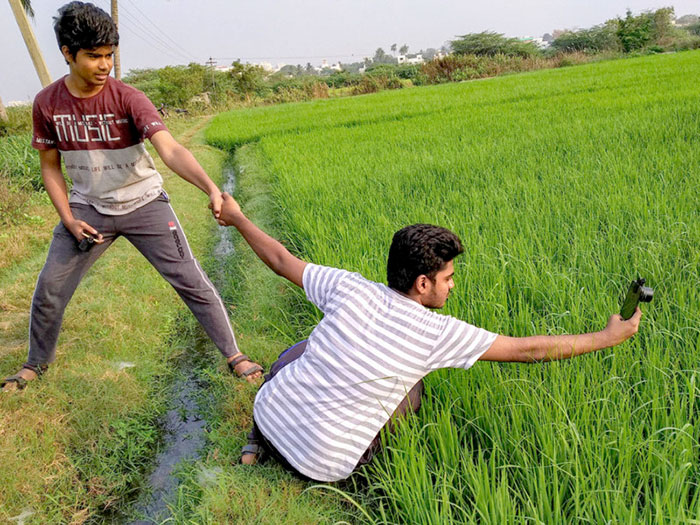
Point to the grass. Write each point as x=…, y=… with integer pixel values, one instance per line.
x=217, y=489
x=564, y=185
x=76, y=444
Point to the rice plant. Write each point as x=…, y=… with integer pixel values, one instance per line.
x=563, y=185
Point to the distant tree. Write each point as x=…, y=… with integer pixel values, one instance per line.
x=547, y=38
x=380, y=57
x=171, y=85
x=489, y=43
x=403, y=50
x=289, y=70
x=662, y=24
x=310, y=69
x=694, y=29
x=393, y=48
x=429, y=53
x=634, y=32
x=597, y=38
x=247, y=79
x=688, y=20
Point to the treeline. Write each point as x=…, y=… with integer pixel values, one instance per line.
x=476, y=55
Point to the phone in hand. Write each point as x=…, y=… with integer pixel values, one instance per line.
x=87, y=242
x=636, y=293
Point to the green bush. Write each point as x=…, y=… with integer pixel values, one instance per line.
x=598, y=38
x=489, y=43
x=19, y=120
x=19, y=162
x=342, y=79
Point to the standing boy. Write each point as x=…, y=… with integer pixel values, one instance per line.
x=97, y=125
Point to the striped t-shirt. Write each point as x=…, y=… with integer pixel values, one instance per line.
x=323, y=410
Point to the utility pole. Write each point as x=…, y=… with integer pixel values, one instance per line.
x=212, y=63
x=31, y=42
x=3, y=113
x=117, y=60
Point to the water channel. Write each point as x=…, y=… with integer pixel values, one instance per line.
x=183, y=425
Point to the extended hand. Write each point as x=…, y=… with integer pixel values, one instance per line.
x=620, y=330
x=229, y=209
x=80, y=229
x=215, y=204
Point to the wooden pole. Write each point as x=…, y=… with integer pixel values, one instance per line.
x=117, y=60
x=31, y=42
x=3, y=113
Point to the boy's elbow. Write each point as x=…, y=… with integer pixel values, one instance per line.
x=529, y=351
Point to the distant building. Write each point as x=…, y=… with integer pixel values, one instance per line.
x=538, y=41
x=410, y=59
x=334, y=67
x=18, y=103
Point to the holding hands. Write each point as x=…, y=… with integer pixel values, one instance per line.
x=229, y=209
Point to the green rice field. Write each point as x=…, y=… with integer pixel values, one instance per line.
x=563, y=185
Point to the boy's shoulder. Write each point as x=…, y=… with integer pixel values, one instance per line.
x=49, y=92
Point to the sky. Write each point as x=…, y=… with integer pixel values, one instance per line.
x=156, y=33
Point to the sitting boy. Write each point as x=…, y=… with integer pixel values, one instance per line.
x=325, y=401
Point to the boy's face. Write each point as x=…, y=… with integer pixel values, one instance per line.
x=91, y=66
x=440, y=286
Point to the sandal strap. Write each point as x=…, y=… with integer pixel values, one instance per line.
x=251, y=449
x=21, y=382
x=39, y=370
x=251, y=370
x=237, y=360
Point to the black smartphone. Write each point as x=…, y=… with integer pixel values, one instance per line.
x=636, y=293
x=86, y=243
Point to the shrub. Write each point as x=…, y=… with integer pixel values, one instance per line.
x=19, y=120
x=490, y=43
x=19, y=162
x=374, y=82
x=342, y=79
x=596, y=39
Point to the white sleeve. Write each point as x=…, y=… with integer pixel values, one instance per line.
x=320, y=282
x=460, y=345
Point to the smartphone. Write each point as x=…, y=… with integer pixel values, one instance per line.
x=86, y=243
x=636, y=293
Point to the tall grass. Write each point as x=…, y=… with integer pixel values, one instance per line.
x=563, y=185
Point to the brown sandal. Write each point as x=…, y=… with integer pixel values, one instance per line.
x=253, y=368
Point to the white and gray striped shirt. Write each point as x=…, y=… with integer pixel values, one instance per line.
x=372, y=346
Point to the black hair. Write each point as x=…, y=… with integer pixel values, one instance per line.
x=419, y=249
x=84, y=26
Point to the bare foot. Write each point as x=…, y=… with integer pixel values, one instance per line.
x=249, y=459
x=250, y=454
x=26, y=374
x=243, y=366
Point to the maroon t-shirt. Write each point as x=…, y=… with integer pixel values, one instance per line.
x=101, y=141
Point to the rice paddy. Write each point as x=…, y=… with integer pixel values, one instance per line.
x=563, y=185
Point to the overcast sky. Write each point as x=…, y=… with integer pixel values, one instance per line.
x=155, y=33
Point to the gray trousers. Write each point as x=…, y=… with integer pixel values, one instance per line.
x=155, y=231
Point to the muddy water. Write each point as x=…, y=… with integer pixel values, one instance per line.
x=184, y=427
x=184, y=441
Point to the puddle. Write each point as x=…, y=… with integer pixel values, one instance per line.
x=184, y=428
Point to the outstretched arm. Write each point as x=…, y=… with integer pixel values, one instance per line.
x=554, y=347
x=270, y=251
x=179, y=159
